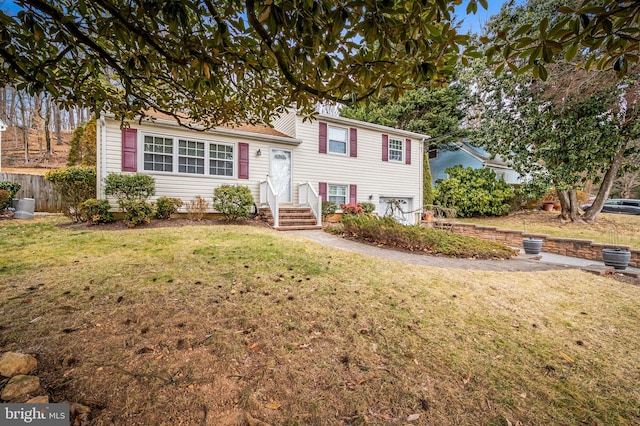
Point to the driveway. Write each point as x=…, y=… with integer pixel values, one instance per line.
x=522, y=263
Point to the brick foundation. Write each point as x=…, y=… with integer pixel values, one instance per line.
x=585, y=249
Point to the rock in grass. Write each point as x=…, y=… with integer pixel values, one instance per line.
x=13, y=364
x=20, y=386
x=42, y=399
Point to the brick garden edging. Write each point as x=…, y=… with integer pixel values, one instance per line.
x=574, y=247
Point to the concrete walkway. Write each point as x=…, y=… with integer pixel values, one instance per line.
x=523, y=262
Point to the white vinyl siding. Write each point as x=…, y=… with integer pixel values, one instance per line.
x=337, y=194
x=184, y=185
x=372, y=176
x=396, y=149
x=337, y=139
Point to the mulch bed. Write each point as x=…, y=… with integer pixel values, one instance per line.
x=163, y=223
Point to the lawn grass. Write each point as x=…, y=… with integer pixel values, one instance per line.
x=237, y=324
x=609, y=228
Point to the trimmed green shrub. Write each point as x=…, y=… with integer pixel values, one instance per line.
x=75, y=185
x=368, y=207
x=387, y=231
x=137, y=212
x=96, y=211
x=11, y=187
x=474, y=192
x=129, y=187
x=166, y=206
x=328, y=208
x=233, y=202
x=132, y=192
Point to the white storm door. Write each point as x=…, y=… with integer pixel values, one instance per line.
x=281, y=174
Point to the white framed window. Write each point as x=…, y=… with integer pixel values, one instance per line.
x=396, y=149
x=190, y=157
x=158, y=154
x=433, y=152
x=220, y=159
x=337, y=194
x=337, y=140
x=186, y=156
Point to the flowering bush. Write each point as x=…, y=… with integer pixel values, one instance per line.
x=351, y=208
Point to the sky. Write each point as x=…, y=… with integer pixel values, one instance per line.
x=471, y=23
x=475, y=22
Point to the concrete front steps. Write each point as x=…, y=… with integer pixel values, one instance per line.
x=291, y=218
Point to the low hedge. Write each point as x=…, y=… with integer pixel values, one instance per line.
x=387, y=231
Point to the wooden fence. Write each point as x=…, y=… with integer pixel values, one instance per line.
x=34, y=186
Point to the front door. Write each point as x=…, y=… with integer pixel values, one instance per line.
x=281, y=174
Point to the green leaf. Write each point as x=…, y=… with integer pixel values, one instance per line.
x=523, y=29
x=565, y=9
x=472, y=7
x=571, y=52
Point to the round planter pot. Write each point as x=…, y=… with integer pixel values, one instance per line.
x=531, y=245
x=618, y=258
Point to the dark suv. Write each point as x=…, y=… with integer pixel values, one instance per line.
x=619, y=205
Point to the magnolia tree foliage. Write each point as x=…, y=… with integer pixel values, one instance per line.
x=595, y=34
x=226, y=61
x=244, y=61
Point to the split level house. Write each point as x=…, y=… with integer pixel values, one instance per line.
x=290, y=168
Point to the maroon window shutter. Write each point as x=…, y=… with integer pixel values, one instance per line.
x=129, y=150
x=353, y=194
x=243, y=160
x=385, y=147
x=322, y=189
x=353, y=142
x=407, y=151
x=322, y=142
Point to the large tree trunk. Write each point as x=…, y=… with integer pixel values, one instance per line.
x=57, y=122
x=47, y=122
x=3, y=104
x=72, y=119
x=24, y=127
x=569, y=204
x=605, y=187
x=11, y=111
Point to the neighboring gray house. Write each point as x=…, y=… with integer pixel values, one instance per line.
x=468, y=155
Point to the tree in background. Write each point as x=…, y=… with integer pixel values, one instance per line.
x=573, y=127
x=83, y=145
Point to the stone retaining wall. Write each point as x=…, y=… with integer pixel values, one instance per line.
x=585, y=249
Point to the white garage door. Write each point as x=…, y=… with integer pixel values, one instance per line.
x=400, y=208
